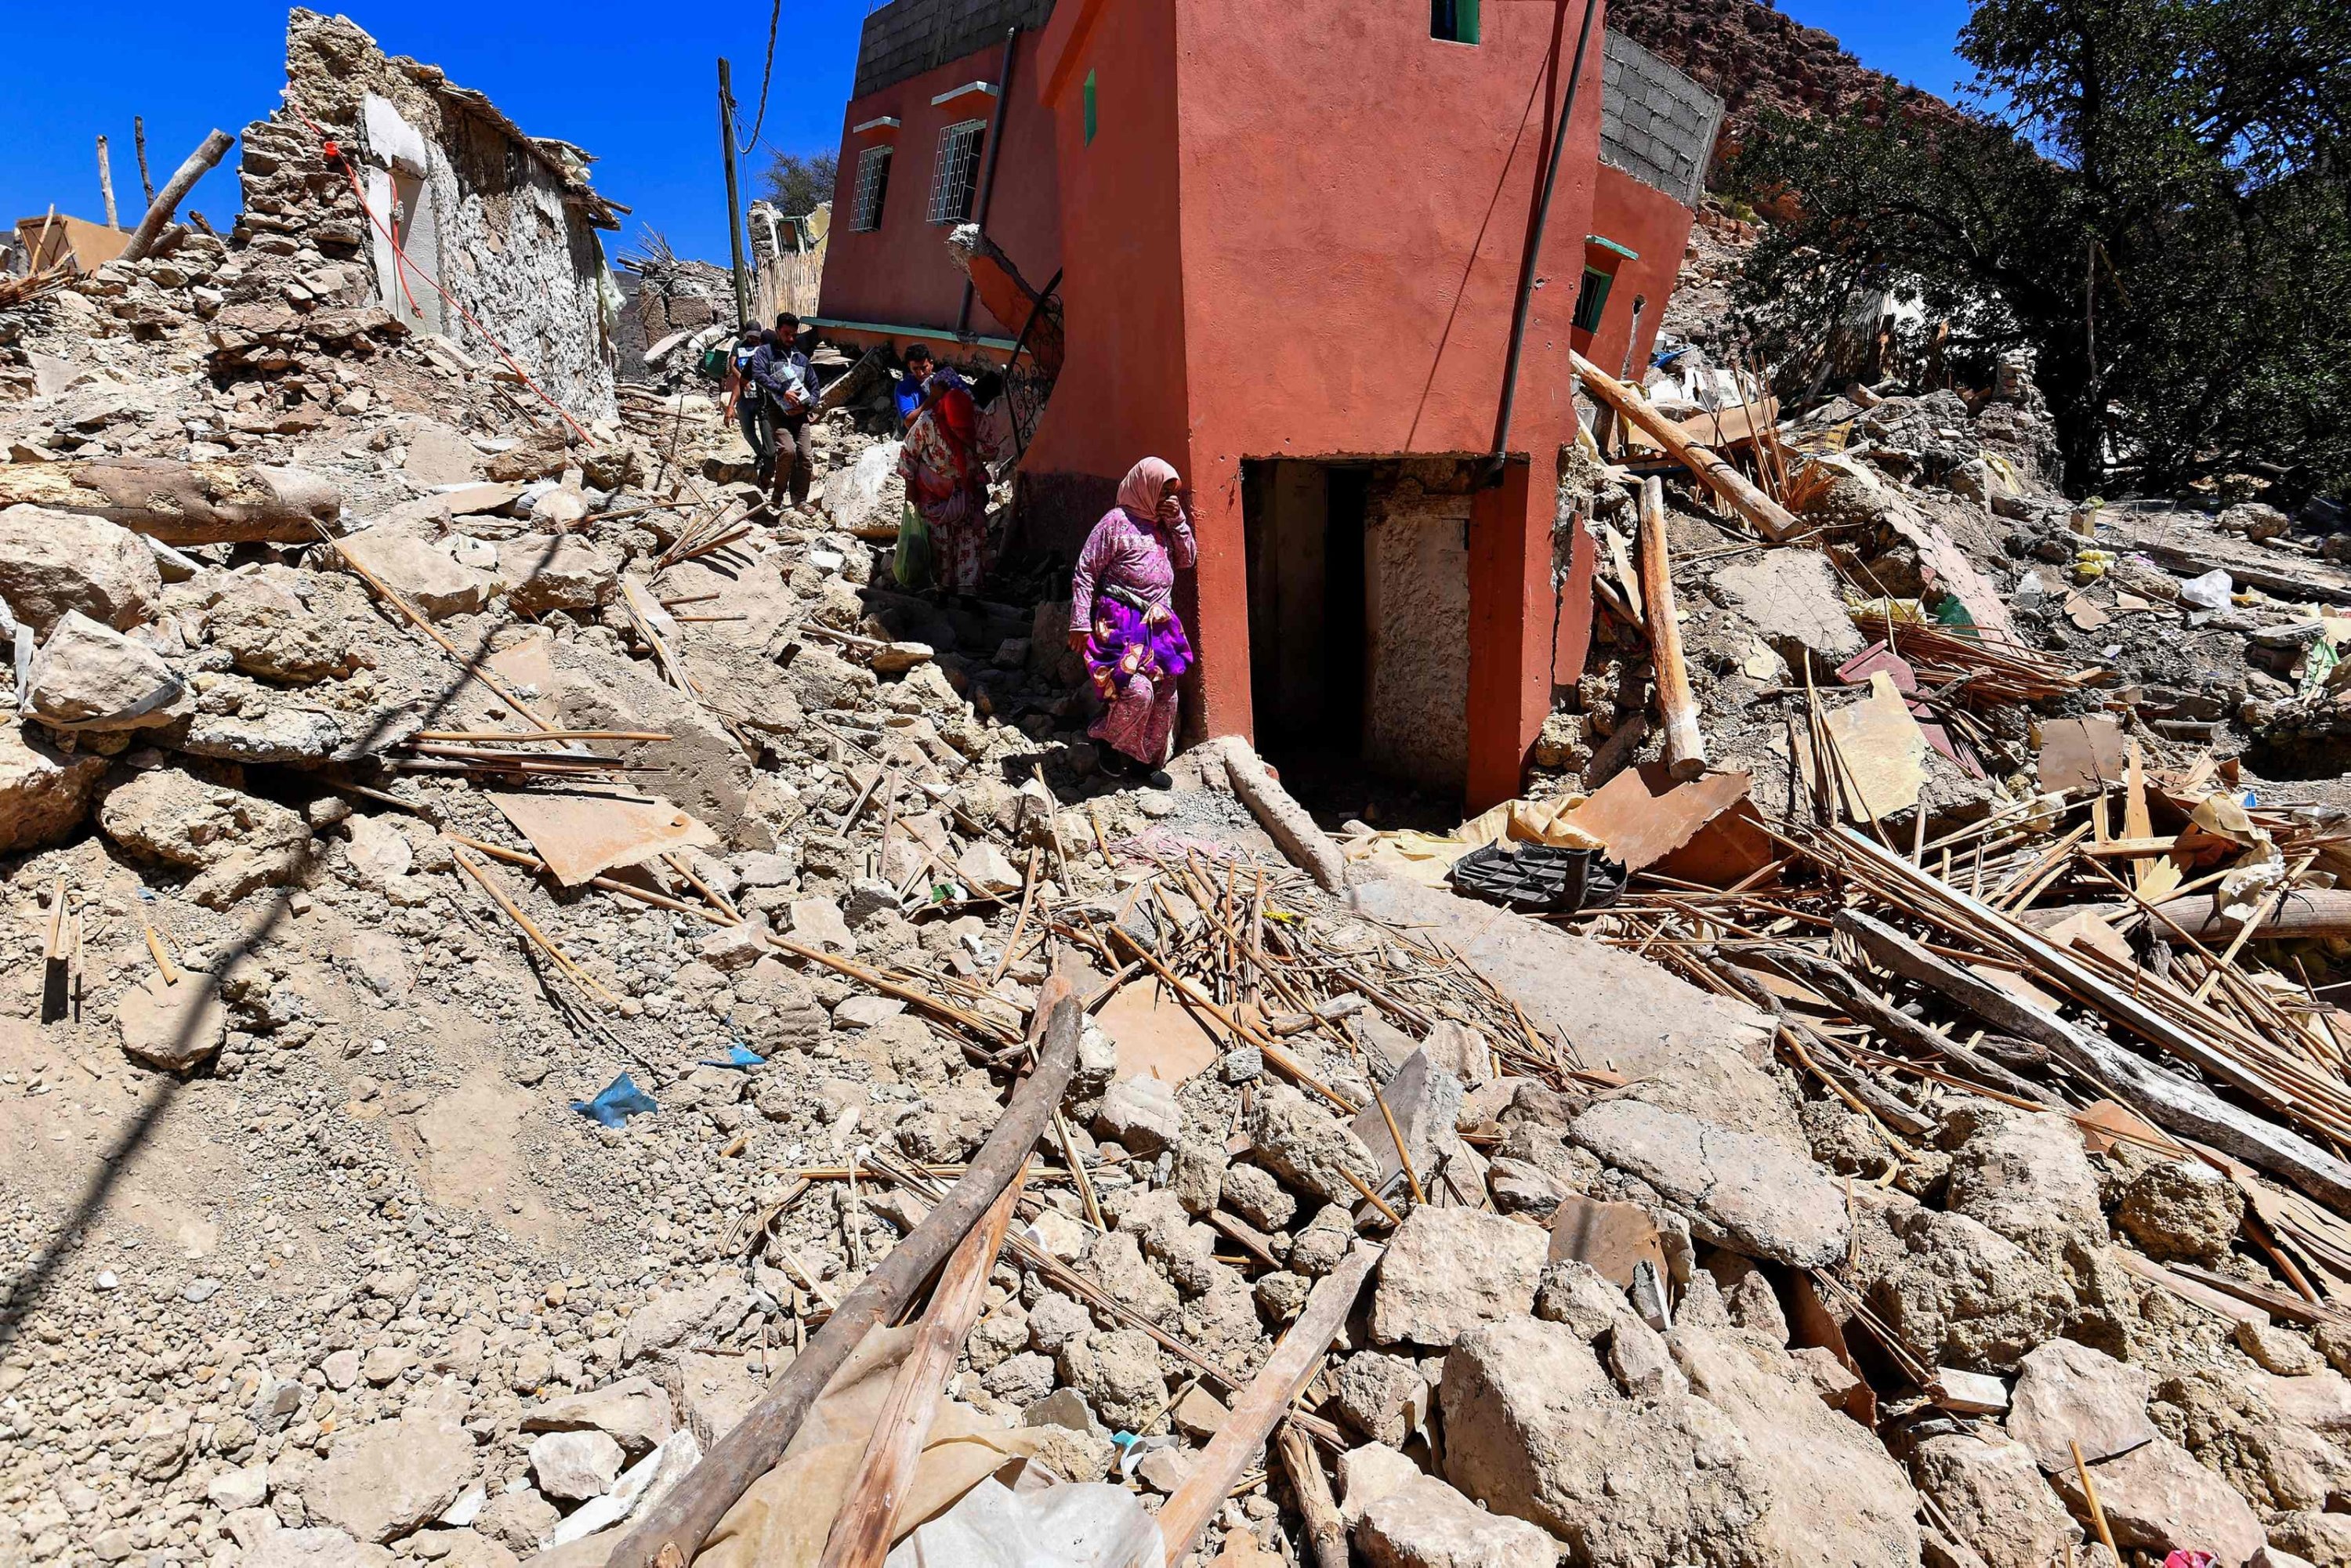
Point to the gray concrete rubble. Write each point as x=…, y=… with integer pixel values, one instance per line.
x=390, y=765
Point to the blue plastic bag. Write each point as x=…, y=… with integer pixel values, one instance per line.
x=621, y=1100
x=737, y=1055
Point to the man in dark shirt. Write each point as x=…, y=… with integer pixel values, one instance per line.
x=782, y=374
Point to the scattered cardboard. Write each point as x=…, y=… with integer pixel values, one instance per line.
x=1156, y=1035
x=1614, y=1238
x=2085, y=927
x=1726, y=851
x=582, y=835
x=2081, y=753
x=1642, y=815
x=2086, y=612
x=2104, y=1124
x=1882, y=750
x=1878, y=656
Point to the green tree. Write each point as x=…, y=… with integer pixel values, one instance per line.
x=798, y=182
x=2150, y=195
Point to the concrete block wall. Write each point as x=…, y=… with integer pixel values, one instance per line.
x=1655, y=124
x=907, y=37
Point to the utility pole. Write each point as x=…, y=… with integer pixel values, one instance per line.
x=106, y=184
x=734, y=201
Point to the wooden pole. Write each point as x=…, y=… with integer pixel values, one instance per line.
x=167, y=201
x=862, y=1530
x=1325, y=1528
x=139, y=143
x=1265, y=1401
x=734, y=199
x=1685, y=747
x=105, y=185
x=1772, y=520
x=674, y=1529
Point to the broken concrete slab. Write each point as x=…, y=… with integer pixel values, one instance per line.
x=1793, y=599
x=2157, y=1495
x=1423, y=1523
x=1741, y=1190
x=92, y=677
x=172, y=1026
x=429, y=578
x=634, y=1412
x=388, y=1479
x=1736, y=1461
x=2066, y=1394
x=44, y=792
x=1617, y=1011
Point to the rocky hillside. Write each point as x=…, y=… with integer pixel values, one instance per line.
x=1754, y=57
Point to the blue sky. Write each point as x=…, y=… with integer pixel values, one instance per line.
x=634, y=84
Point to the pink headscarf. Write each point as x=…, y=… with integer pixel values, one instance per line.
x=1139, y=493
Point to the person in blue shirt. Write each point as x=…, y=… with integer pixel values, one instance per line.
x=909, y=390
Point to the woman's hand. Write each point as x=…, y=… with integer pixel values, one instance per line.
x=1077, y=641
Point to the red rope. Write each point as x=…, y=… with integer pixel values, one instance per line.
x=334, y=155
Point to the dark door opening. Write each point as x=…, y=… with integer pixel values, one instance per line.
x=1308, y=528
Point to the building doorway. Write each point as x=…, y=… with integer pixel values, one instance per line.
x=1358, y=586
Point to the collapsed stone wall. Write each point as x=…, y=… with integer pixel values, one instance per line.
x=506, y=222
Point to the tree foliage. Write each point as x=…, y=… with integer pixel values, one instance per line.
x=798, y=182
x=2151, y=196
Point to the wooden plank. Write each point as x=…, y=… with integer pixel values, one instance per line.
x=1773, y=521
x=1263, y=1403
x=861, y=1531
x=1685, y=747
x=2173, y=1101
x=674, y=1529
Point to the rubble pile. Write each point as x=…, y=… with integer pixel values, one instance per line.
x=512, y=933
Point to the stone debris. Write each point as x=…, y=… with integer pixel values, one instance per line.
x=1709, y=1238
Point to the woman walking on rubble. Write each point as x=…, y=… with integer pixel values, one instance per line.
x=1123, y=616
x=946, y=481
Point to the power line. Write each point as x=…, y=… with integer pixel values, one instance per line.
x=774, y=16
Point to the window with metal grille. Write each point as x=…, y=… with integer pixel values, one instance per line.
x=1454, y=21
x=957, y=167
x=873, y=185
x=1592, y=302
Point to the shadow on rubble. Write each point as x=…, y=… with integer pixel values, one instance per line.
x=29, y=1284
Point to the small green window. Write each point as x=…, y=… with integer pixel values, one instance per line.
x=1592, y=302
x=1454, y=21
x=1090, y=109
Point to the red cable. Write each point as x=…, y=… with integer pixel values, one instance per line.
x=334, y=154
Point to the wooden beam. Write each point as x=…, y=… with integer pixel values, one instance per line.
x=2170, y=1100
x=167, y=201
x=1265, y=1401
x=1772, y=520
x=869, y=1513
x=674, y=1529
x=1685, y=747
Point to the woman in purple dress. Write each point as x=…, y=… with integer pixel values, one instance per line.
x=1123, y=616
